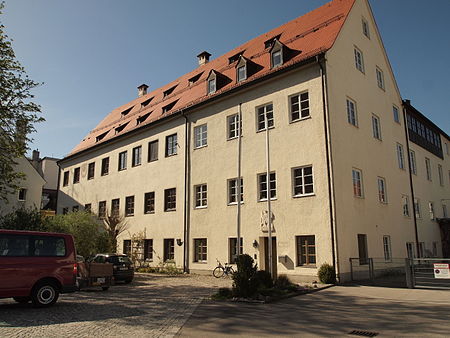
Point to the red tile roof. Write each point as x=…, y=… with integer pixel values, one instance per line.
x=308, y=35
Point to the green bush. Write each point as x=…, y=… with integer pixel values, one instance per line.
x=244, y=285
x=263, y=279
x=326, y=274
x=24, y=219
x=283, y=282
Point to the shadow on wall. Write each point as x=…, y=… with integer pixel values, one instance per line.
x=66, y=201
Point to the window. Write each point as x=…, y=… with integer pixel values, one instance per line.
x=382, y=195
x=148, y=250
x=66, y=179
x=359, y=61
x=365, y=28
x=262, y=113
x=417, y=208
x=302, y=181
x=351, y=112
x=149, y=202
x=362, y=249
x=22, y=194
x=146, y=102
x=115, y=207
x=376, y=127
x=169, y=249
x=405, y=205
x=76, y=175
x=400, y=156
x=447, y=151
x=412, y=160
x=410, y=250
x=233, y=190
x=123, y=160
x=233, y=126
x=75, y=208
x=444, y=211
x=357, y=183
x=299, y=105
x=153, y=151
x=277, y=58
x=105, y=166
x=127, y=247
x=200, y=250
x=431, y=210
x=65, y=211
x=201, y=196
x=441, y=176
x=14, y=246
x=136, y=158
x=435, y=249
x=129, y=206
x=141, y=119
x=232, y=249
x=306, y=250
x=125, y=112
x=171, y=145
x=428, y=168
x=212, y=86
x=395, y=113
x=387, y=248
x=91, y=171
x=262, y=183
x=32, y=246
x=421, y=249
x=169, y=91
x=195, y=78
x=88, y=207
x=102, y=209
x=170, y=199
x=380, y=78
x=242, y=73
x=169, y=106
x=201, y=136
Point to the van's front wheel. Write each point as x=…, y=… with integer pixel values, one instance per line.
x=44, y=294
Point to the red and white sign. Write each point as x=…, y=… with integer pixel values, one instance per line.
x=441, y=270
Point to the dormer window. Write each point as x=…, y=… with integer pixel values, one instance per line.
x=276, y=54
x=169, y=107
x=142, y=118
x=212, y=86
x=216, y=81
x=269, y=43
x=194, y=79
x=169, y=91
x=101, y=136
x=241, y=69
x=120, y=128
x=146, y=102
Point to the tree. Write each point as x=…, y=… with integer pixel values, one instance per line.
x=24, y=219
x=114, y=224
x=18, y=114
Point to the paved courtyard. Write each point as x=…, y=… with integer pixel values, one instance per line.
x=151, y=306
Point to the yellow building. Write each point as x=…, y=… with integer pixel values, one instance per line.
x=336, y=143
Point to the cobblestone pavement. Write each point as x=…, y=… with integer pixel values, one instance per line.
x=151, y=306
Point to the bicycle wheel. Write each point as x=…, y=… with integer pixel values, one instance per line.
x=218, y=272
x=231, y=271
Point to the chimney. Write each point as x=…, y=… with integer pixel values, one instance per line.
x=35, y=156
x=203, y=58
x=142, y=89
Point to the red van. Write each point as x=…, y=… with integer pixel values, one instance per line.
x=36, y=266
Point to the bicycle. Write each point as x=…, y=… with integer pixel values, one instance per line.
x=220, y=270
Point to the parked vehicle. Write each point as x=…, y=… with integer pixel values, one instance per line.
x=123, y=268
x=36, y=266
x=94, y=274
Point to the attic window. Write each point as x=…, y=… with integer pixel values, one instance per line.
x=120, y=128
x=142, y=118
x=126, y=111
x=146, y=102
x=269, y=43
x=195, y=78
x=101, y=136
x=169, y=107
x=241, y=69
x=276, y=54
x=169, y=91
x=235, y=57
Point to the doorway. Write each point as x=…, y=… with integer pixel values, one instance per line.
x=265, y=252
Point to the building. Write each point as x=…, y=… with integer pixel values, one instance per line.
x=29, y=194
x=339, y=185
x=49, y=170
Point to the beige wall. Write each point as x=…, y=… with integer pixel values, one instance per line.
x=33, y=183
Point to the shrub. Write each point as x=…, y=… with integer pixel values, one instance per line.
x=283, y=282
x=263, y=279
x=326, y=274
x=24, y=219
x=244, y=285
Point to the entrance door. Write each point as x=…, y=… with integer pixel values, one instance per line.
x=274, y=254
x=362, y=249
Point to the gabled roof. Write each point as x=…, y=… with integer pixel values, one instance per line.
x=308, y=35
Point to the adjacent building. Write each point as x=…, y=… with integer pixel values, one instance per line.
x=307, y=117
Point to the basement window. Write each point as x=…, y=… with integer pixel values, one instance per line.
x=169, y=91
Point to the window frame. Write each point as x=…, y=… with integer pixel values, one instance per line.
x=169, y=249
x=359, y=59
x=400, y=156
x=440, y=175
x=201, y=136
x=380, y=78
x=233, y=120
x=382, y=190
x=365, y=27
x=417, y=208
x=405, y=206
x=376, y=127
x=303, y=257
x=232, y=198
x=101, y=209
x=412, y=161
x=201, y=196
x=396, y=114
x=152, y=145
x=148, y=254
x=357, y=183
x=428, y=169
x=76, y=175
x=136, y=156
x=232, y=252
x=23, y=192
x=115, y=207
x=122, y=160
x=91, y=171
x=303, y=185
x=387, y=248
x=66, y=178
x=273, y=191
x=171, y=145
x=265, y=112
x=200, y=250
x=170, y=199
x=149, y=208
x=300, y=108
x=273, y=55
x=352, y=114
x=129, y=206
x=105, y=166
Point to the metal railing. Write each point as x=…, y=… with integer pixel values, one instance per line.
x=421, y=273
x=375, y=267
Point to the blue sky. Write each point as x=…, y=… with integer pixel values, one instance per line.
x=92, y=54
